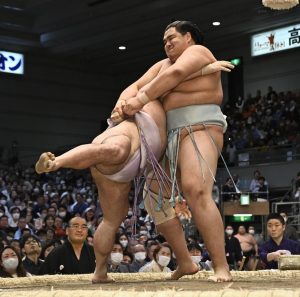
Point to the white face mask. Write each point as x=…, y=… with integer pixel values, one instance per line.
x=140, y=256
x=130, y=213
x=10, y=263
x=16, y=215
x=116, y=258
x=3, y=201
x=89, y=200
x=124, y=243
x=196, y=259
x=1, y=214
x=251, y=231
x=229, y=231
x=62, y=214
x=143, y=232
x=163, y=260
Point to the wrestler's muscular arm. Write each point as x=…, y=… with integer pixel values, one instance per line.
x=133, y=89
x=191, y=60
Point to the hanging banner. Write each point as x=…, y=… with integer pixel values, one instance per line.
x=276, y=40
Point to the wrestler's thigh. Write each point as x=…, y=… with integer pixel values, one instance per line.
x=191, y=172
x=113, y=196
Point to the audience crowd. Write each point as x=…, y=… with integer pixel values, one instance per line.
x=262, y=121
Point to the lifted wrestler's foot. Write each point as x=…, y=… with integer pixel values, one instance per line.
x=221, y=275
x=45, y=163
x=186, y=270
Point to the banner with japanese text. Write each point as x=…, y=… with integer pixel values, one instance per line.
x=11, y=62
x=275, y=40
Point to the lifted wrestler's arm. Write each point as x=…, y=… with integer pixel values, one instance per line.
x=133, y=89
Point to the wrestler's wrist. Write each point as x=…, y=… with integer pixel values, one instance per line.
x=206, y=69
x=143, y=98
x=120, y=102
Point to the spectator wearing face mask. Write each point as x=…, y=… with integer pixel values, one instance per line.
x=11, y=263
x=195, y=252
x=139, y=252
x=15, y=215
x=115, y=259
x=233, y=249
x=63, y=213
x=123, y=240
x=257, y=236
x=161, y=259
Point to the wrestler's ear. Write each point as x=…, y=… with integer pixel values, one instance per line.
x=188, y=37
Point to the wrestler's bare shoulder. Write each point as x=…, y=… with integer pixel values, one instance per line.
x=198, y=49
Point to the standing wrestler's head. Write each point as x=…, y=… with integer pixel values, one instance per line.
x=178, y=36
x=184, y=27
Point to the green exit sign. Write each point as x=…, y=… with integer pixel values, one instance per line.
x=236, y=61
x=242, y=218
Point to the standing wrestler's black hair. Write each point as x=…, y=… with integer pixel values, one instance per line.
x=184, y=27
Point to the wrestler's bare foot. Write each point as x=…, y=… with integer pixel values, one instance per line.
x=100, y=277
x=184, y=270
x=45, y=163
x=102, y=280
x=221, y=275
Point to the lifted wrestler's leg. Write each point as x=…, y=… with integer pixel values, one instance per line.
x=114, y=204
x=115, y=150
x=173, y=233
x=199, y=198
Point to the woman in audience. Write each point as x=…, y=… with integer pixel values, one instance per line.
x=161, y=259
x=11, y=263
x=123, y=239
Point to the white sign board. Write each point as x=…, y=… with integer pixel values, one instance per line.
x=276, y=40
x=11, y=62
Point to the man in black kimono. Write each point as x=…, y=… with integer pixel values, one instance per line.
x=75, y=256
